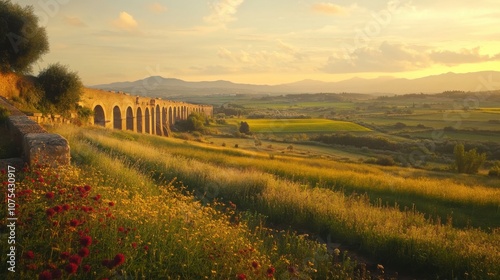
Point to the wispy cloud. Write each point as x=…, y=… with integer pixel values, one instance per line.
x=386, y=58
x=223, y=12
x=391, y=57
x=332, y=9
x=74, y=21
x=463, y=56
x=157, y=8
x=125, y=21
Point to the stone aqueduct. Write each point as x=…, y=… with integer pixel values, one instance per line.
x=138, y=114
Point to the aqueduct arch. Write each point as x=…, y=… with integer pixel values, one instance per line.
x=130, y=119
x=99, y=116
x=135, y=113
x=117, y=118
x=147, y=122
x=139, y=120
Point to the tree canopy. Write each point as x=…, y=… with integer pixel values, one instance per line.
x=22, y=40
x=244, y=127
x=467, y=162
x=62, y=87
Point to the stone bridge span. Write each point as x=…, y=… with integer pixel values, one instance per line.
x=138, y=114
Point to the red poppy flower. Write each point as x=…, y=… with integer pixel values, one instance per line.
x=97, y=197
x=87, y=188
x=29, y=255
x=134, y=245
x=49, y=195
x=76, y=259
x=58, y=209
x=66, y=207
x=119, y=259
x=71, y=268
x=50, y=212
x=84, y=252
x=270, y=271
x=45, y=275
x=255, y=264
x=146, y=247
x=241, y=276
x=74, y=223
x=111, y=203
x=86, y=241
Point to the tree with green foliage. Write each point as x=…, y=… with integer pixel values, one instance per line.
x=61, y=86
x=467, y=162
x=22, y=40
x=244, y=128
x=495, y=170
x=195, y=122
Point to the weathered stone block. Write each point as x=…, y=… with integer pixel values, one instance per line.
x=46, y=149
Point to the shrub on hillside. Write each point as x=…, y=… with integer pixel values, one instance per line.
x=194, y=122
x=244, y=128
x=467, y=162
x=62, y=87
x=385, y=161
x=495, y=170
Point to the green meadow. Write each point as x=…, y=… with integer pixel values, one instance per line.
x=299, y=125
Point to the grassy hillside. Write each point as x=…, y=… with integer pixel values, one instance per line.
x=210, y=206
x=352, y=204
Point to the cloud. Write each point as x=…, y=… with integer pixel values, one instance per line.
x=390, y=57
x=462, y=56
x=223, y=12
x=157, y=8
x=74, y=21
x=125, y=21
x=331, y=9
x=386, y=58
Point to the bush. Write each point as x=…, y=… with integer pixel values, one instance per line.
x=385, y=161
x=495, y=170
x=22, y=40
x=62, y=87
x=467, y=162
x=244, y=128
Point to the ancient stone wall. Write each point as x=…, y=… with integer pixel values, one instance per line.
x=35, y=143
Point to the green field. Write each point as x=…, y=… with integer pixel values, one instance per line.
x=299, y=125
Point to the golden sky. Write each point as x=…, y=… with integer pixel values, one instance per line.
x=269, y=42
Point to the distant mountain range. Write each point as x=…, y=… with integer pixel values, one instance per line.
x=157, y=86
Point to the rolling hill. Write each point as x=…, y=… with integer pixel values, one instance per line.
x=169, y=87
